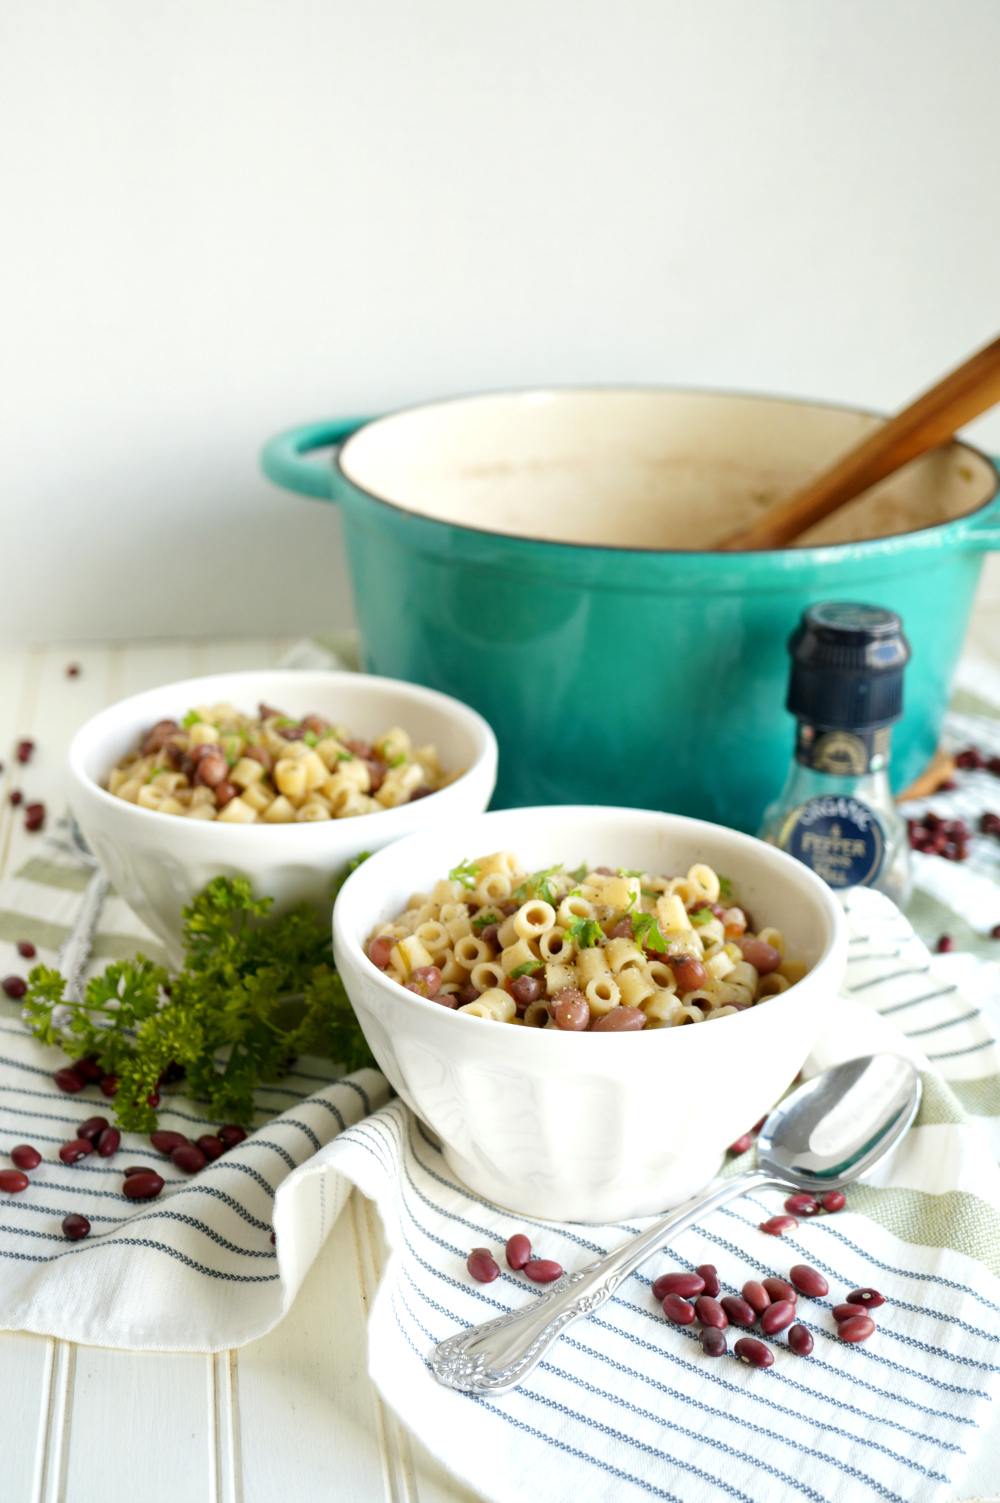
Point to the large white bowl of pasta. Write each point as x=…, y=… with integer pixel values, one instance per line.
x=597, y=1116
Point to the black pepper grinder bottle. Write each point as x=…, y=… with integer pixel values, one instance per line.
x=836, y=812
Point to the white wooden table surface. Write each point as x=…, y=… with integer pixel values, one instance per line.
x=293, y=1415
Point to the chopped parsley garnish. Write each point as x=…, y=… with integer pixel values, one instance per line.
x=624, y=872
x=527, y=969
x=465, y=872
x=725, y=888
x=310, y=738
x=191, y=718
x=537, y=886
x=587, y=932
x=701, y=917
x=580, y=872
x=646, y=932
x=483, y=918
x=398, y=761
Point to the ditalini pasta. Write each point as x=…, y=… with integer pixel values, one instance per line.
x=240, y=769
x=595, y=949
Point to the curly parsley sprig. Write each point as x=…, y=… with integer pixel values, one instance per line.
x=251, y=997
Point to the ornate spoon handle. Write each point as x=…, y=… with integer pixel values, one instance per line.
x=496, y=1355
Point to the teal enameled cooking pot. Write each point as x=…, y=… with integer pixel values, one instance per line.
x=546, y=557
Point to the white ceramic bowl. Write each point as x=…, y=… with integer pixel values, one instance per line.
x=587, y=1126
x=158, y=862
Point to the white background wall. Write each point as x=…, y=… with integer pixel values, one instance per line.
x=222, y=217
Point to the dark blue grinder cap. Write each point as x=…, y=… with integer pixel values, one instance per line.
x=847, y=666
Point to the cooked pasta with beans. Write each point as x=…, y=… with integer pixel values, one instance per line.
x=593, y=949
x=240, y=769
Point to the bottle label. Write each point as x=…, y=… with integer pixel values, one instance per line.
x=841, y=839
x=843, y=753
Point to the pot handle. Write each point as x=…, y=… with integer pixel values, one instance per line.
x=985, y=530
x=283, y=457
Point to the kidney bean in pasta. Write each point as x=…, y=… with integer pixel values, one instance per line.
x=591, y=950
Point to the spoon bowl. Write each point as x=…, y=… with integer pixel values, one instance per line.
x=835, y=1128
x=829, y=1132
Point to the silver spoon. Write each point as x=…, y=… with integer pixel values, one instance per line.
x=830, y=1132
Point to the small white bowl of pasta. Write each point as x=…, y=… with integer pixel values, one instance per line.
x=587, y=1124
x=158, y=862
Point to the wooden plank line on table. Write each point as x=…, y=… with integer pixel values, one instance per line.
x=52, y=1482
x=395, y=1450
x=228, y=1484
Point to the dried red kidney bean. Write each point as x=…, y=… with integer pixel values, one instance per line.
x=189, y=1157
x=777, y=1317
x=800, y=1340
x=713, y=1343
x=710, y=1312
x=808, y=1281
x=834, y=1200
x=945, y=944
x=153, y=1099
x=689, y=972
x=92, y=1128
x=14, y=986
x=687, y=1285
x=72, y=1153
x=754, y=1352
x=482, y=1265
x=742, y=1144
x=13, y=1181
x=543, y=1270
x=756, y=1296
x=109, y=1142
x=34, y=816
x=995, y=932
x=26, y=949
x=75, y=1226
x=72, y=670
x=166, y=1141
x=231, y=1135
x=857, y=1329
x=518, y=1251
x=778, y=1290
x=143, y=1184
x=68, y=1080
x=739, y=1312
x=775, y=1225
x=16, y=797
x=211, y=1146
x=571, y=1010
x=970, y=758
x=679, y=1311
x=867, y=1297
x=758, y=953
x=710, y=1275
x=759, y=1124
x=844, y=1312
x=25, y=1157
x=88, y=1069
x=802, y=1205
x=24, y=750
x=135, y=1169
x=108, y=1085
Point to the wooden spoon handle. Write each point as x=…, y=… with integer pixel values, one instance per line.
x=928, y=422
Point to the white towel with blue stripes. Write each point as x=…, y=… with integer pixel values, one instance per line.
x=626, y=1406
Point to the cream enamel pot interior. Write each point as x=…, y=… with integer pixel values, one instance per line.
x=158, y=862
x=590, y=1126
x=545, y=557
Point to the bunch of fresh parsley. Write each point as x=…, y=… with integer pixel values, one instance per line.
x=253, y=994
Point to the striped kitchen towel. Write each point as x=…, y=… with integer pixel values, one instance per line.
x=195, y=1269
x=626, y=1407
